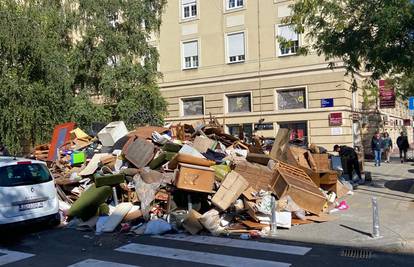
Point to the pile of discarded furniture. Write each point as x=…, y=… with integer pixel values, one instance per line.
x=153, y=180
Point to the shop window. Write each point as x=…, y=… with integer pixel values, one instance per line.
x=242, y=131
x=239, y=102
x=299, y=132
x=291, y=99
x=193, y=106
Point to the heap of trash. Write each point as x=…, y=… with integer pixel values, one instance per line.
x=154, y=180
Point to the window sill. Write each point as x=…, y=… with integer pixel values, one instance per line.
x=288, y=55
x=238, y=113
x=236, y=62
x=192, y=117
x=192, y=68
x=233, y=10
x=182, y=20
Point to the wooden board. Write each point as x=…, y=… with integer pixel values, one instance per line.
x=254, y=225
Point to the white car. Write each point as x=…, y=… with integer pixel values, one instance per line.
x=27, y=192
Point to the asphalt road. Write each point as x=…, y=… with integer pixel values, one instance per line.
x=67, y=247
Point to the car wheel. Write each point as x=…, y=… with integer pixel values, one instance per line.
x=55, y=221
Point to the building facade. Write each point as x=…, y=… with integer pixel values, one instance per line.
x=226, y=58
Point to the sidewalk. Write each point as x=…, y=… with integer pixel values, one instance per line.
x=393, y=185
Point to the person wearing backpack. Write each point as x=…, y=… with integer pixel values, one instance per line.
x=403, y=145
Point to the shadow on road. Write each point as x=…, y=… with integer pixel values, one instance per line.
x=406, y=185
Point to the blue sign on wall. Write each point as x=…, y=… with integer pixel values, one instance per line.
x=327, y=102
x=411, y=103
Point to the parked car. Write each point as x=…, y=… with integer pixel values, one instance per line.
x=27, y=193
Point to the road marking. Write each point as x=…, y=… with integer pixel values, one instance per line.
x=198, y=257
x=12, y=256
x=237, y=243
x=97, y=263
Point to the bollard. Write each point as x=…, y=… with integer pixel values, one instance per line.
x=375, y=219
x=273, y=224
x=116, y=202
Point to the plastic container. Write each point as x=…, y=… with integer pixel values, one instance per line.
x=112, y=133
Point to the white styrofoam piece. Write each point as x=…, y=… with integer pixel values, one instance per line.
x=112, y=133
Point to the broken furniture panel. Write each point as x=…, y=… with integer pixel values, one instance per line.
x=195, y=178
x=294, y=182
x=233, y=186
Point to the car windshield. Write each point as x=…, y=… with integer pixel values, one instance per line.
x=24, y=174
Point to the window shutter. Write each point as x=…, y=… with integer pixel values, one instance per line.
x=190, y=49
x=288, y=33
x=236, y=44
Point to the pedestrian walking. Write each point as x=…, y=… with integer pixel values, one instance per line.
x=387, y=147
x=377, y=146
x=349, y=155
x=403, y=145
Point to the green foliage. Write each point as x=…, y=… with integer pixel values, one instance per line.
x=368, y=35
x=46, y=77
x=115, y=59
x=83, y=112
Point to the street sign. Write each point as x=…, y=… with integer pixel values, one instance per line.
x=386, y=94
x=327, y=102
x=335, y=119
x=411, y=103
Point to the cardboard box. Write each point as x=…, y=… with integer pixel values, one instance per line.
x=330, y=177
x=258, y=176
x=293, y=182
x=202, y=144
x=232, y=187
x=191, y=222
x=195, y=178
x=322, y=161
x=258, y=158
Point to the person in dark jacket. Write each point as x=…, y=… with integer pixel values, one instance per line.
x=403, y=145
x=349, y=155
x=377, y=146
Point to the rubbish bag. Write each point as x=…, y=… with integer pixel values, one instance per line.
x=146, y=194
x=157, y=227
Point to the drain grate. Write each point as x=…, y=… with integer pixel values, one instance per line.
x=357, y=253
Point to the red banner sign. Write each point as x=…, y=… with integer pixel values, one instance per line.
x=386, y=94
x=335, y=119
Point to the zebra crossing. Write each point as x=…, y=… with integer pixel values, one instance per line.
x=177, y=253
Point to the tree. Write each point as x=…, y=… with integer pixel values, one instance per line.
x=33, y=71
x=114, y=57
x=368, y=35
x=54, y=55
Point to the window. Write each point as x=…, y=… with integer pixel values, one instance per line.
x=242, y=131
x=193, y=106
x=189, y=9
x=190, y=55
x=24, y=174
x=299, y=132
x=239, y=103
x=232, y=4
x=235, y=47
x=291, y=99
x=289, y=43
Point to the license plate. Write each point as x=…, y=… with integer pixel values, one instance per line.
x=30, y=206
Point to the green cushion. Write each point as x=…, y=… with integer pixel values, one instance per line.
x=161, y=159
x=111, y=179
x=171, y=147
x=86, y=206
